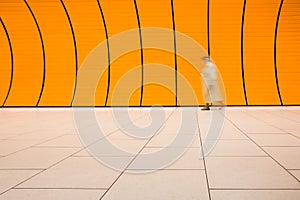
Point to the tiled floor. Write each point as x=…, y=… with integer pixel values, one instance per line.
x=150, y=154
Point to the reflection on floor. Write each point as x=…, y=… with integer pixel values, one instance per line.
x=234, y=153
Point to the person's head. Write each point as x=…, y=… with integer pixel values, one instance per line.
x=206, y=58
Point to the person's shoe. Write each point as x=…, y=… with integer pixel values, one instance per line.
x=205, y=108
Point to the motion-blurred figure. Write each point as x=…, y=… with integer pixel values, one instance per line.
x=210, y=84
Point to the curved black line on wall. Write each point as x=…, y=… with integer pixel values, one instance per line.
x=208, y=27
x=142, y=53
x=242, y=52
x=175, y=50
x=12, y=62
x=275, y=52
x=108, y=52
x=75, y=49
x=43, y=52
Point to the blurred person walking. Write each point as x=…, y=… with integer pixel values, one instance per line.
x=210, y=84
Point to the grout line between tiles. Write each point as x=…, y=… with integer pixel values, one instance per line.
x=125, y=169
x=285, y=131
x=263, y=150
x=203, y=157
x=31, y=146
x=14, y=187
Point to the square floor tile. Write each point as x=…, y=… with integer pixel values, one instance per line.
x=63, y=141
x=248, y=173
x=289, y=157
x=117, y=147
x=11, y=146
x=255, y=194
x=118, y=163
x=165, y=184
x=256, y=126
x=52, y=194
x=171, y=140
x=249, y=124
x=35, y=158
x=275, y=139
x=154, y=158
x=4, y=136
x=74, y=172
x=275, y=118
x=11, y=178
x=16, y=128
x=282, y=112
x=234, y=148
x=120, y=135
x=37, y=135
x=226, y=130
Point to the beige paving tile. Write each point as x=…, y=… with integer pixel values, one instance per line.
x=121, y=135
x=294, y=132
x=83, y=153
x=235, y=148
x=226, y=128
x=286, y=156
x=190, y=158
x=117, y=147
x=287, y=113
x=248, y=173
x=50, y=194
x=106, y=122
x=164, y=140
x=118, y=163
x=275, y=139
x=63, y=141
x=35, y=158
x=165, y=184
x=227, y=132
x=256, y=126
x=12, y=146
x=11, y=178
x=74, y=172
x=4, y=136
x=16, y=128
x=249, y=124
x=296, y=173
x=255, y=194
x=276, y=118
x=37, y=135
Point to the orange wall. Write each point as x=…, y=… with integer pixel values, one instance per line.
x=44, y=44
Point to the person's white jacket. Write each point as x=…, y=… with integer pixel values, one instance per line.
x=209, y=74
x=210, y=85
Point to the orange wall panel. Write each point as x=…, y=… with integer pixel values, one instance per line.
x=265, y=45
x=89, y=32
x=150, y=17
x=5, y=65
x=225, y=46
x=259, y=26
x=191, y=19
x=120, y=16
x=288, y=54
x=28, y=63
x=59, y=50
